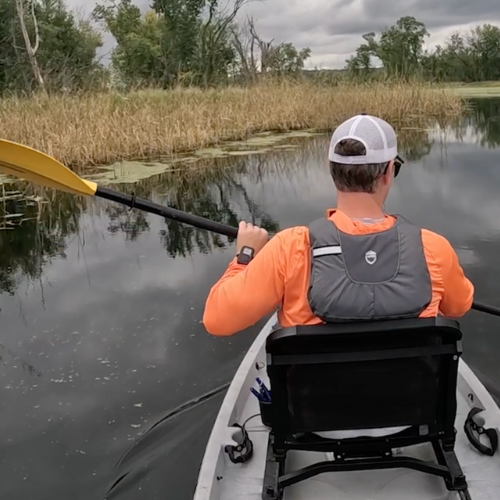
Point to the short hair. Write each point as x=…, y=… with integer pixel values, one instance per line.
x=355, y=178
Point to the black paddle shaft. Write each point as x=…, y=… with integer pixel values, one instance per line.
x=210, y=225
x=170, y=213
x=495, y=311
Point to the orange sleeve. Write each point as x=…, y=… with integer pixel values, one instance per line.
x=458, y=290
x=245, y=294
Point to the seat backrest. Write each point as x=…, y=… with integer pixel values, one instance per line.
x=366, y=375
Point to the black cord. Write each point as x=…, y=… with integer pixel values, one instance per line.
x=243, y=451
x=132, y=204
x=249, y=418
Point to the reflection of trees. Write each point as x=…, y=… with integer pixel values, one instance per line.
x=208, y=191
x=6, y=353
x=180, y=239
x=482, y=119
x=211, y=189
x=33, y=233
x=414, y=143
x=130, y=222
x=485, y=118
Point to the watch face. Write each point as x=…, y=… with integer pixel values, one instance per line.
x=245, y=255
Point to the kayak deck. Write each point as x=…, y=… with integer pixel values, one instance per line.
x=244, y=481
x=220, y=479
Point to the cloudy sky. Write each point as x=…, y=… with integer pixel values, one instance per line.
x=333, y=28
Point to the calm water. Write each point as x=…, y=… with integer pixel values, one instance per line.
x=100, y=308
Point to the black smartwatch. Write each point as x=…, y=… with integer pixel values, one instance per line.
x=245, y=255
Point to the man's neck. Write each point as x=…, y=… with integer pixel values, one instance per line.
x=359, y=206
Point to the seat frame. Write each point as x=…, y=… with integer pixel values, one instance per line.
x=361, y=453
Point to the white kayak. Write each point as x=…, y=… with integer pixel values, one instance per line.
x=221, y=479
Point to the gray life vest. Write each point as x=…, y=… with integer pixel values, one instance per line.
x=376, y=276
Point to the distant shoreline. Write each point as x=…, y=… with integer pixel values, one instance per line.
x=99, y=129
x=475, y=90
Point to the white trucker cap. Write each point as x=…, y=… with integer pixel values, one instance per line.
x=378, y=137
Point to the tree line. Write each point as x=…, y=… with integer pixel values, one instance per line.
x=398, y=51
x=46, y=47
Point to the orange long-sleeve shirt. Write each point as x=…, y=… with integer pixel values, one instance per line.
x=279, y=275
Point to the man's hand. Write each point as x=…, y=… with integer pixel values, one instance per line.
x=251, y=236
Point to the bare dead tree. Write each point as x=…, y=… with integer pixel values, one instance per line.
x=264, y=47
x=31, y=49
x=216, y=27
x=17, y=50
x=244, y=44
x=254, y=53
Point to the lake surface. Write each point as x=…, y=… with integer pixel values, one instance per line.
x=101, y=307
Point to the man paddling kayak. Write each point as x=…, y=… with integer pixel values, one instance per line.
x=357, y=263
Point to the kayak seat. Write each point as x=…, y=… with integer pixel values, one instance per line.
x=363, y=376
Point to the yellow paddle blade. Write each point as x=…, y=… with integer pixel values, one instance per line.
x=35, y=166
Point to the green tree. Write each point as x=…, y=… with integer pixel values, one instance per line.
x=180, y=41
x=468, y=57
x=183, y=23
x=360, y=64
x=66, y=47
x=285, y=59
x=140, y=57
x=488, y=52
x=399, y=48
x=11, y=67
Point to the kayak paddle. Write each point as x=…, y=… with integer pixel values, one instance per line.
x=32, y=165
x=35, y=166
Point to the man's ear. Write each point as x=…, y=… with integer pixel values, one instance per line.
x=389, y=173
x=391, y=168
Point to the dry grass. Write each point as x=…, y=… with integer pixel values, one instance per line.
x=102, y=128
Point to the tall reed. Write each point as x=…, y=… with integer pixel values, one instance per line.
x=102, y=128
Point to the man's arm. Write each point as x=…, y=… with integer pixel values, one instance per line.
x=245, y=294
x=458, y=290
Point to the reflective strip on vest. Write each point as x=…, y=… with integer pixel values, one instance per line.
x=332, y=250
x=366, y=277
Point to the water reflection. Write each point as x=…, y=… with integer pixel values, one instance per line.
x=480, y=125
x=7, y=356
x=485, y=118
x=208, y=190
x=212, y=189
x=101, y=306
x=38, y=235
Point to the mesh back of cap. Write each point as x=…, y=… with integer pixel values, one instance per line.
x=376, y=134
